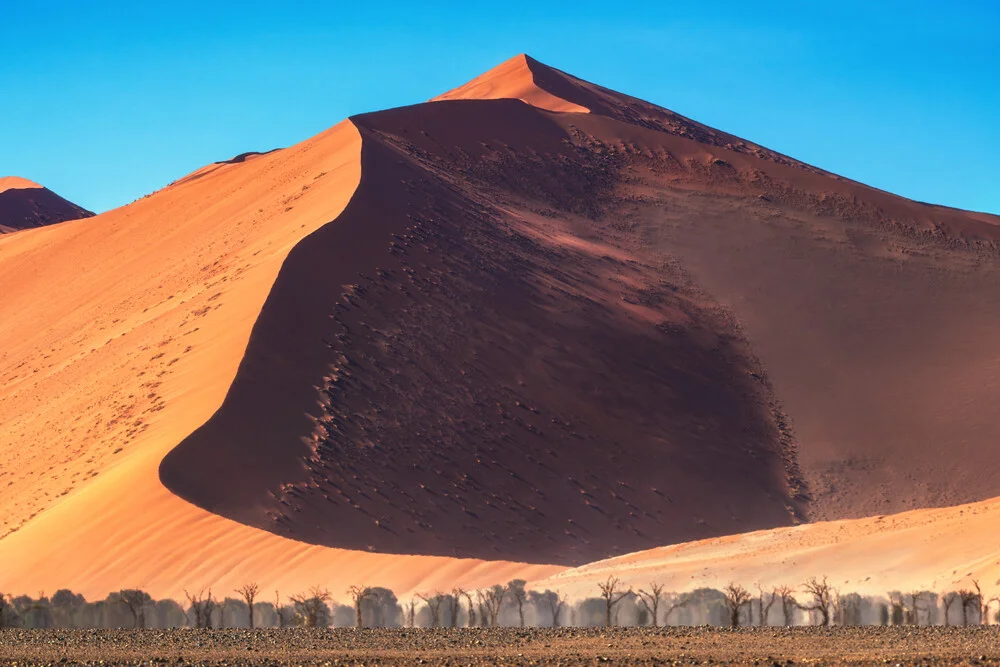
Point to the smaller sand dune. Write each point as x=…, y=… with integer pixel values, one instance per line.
x=936, y=549
x=25, y=204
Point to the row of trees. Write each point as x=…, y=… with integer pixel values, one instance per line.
x=815, y=602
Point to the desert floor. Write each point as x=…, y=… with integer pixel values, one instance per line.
x=509, y=646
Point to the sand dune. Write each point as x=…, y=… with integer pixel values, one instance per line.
x=25, y=204
x=532, y=321
x=451, y=403
x=139, y=319
x=938, y=550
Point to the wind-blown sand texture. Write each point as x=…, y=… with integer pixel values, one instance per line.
x=552, y=325
x=25, y=204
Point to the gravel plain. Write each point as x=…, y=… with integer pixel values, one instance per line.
x=505, y=646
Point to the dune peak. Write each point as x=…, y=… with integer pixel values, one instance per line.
x=25, y=204
x=17, y=183
x=522, y=78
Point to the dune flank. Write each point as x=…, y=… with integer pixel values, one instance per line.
x=939, y=550
x=25, y=204
x=138, y=319
x=435, y=343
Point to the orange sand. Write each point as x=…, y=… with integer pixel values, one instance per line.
x=936, y=549
x=16, y=183
x=511, y=80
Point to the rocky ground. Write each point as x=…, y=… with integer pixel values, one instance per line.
x=507, y=646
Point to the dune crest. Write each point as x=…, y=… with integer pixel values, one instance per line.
x=16, y=183
x=517, y=79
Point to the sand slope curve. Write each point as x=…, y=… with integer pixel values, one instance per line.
x=939, y=550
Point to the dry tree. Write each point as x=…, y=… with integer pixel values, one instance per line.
x=983, y=604
x=456, y=607
x=821, y=593
x=8, y=614
x=968, y=599
x=358, y=595
x=284, y=620
x=737, y=597
x=137, y=601
x=202, y=608
x=915, y=608
x=484, y=617
x=765, y=609
x=787, y=603
x=838, y=608
x=612, y=595
x=411, y=613
x=551, y=601
x=897, y=610
x=516, y=591
x=249, y=593
x=677, y=603
x=651, y=601
x=433, y=603
x=309, y=608
x=472, y=610
x=490, y=602
x=947, y=600
x=221, y=608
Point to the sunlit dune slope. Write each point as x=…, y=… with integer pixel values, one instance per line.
x=520, y=78
x=120, y=335
x=939, y=550
x=17, y=183
x=25, y=204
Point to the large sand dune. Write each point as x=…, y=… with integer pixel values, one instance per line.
x=533, y=321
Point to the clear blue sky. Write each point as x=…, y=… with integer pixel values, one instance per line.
x=105, y=102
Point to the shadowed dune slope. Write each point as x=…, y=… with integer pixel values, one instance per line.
x=25, y=204
x=494, y=382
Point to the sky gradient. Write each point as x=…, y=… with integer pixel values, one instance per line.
x=105, y=102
